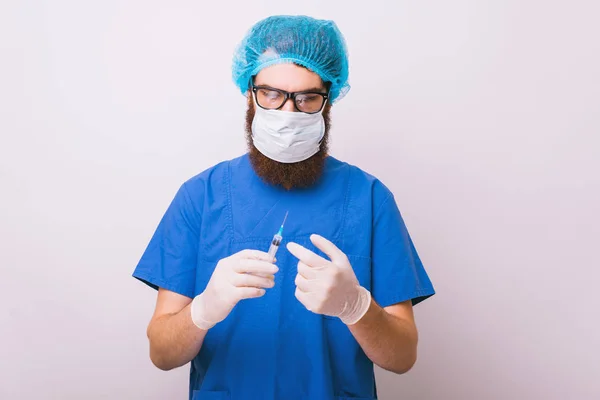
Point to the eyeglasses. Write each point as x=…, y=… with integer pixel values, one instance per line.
x=309, y=101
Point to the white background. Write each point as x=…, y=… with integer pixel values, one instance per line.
x=481, y=116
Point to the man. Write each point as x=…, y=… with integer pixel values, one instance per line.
x=338, y=296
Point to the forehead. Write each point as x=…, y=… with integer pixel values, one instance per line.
x=289, y=77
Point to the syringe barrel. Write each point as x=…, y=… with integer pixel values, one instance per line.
x=274, y=245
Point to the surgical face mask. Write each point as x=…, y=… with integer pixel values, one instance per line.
x=287, y=136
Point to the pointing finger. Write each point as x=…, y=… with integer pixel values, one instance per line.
x=327, y=247
x=306, y=256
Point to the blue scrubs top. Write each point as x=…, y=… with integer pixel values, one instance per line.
x=272, y=347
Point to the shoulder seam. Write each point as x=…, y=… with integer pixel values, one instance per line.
x=383, y=203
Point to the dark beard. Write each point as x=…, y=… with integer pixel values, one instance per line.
x=298, y=175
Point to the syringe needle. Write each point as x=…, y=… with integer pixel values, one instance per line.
x=285, y=218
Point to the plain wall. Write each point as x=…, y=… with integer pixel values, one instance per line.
x=481, y=116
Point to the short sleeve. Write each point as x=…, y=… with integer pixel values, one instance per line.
x=170, y=259
x=397, y=272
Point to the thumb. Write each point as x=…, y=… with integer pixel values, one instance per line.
x=327, y=247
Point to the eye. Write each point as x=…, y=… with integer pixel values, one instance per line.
x=267, y=93
x=268, y=98
x=309, y=98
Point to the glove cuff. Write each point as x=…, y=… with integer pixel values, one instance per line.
x=360, y=308
x=197, y=310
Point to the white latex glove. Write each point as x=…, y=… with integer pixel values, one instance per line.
x=243, y=275
x=329, y=287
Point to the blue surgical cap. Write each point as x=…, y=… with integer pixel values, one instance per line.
x=315, y=44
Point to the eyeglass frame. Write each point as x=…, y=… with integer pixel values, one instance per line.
x=289, y=95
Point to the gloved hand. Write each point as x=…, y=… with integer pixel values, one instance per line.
x=329, y=287
x=243, y=275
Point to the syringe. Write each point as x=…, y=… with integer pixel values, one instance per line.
x=277, y=239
